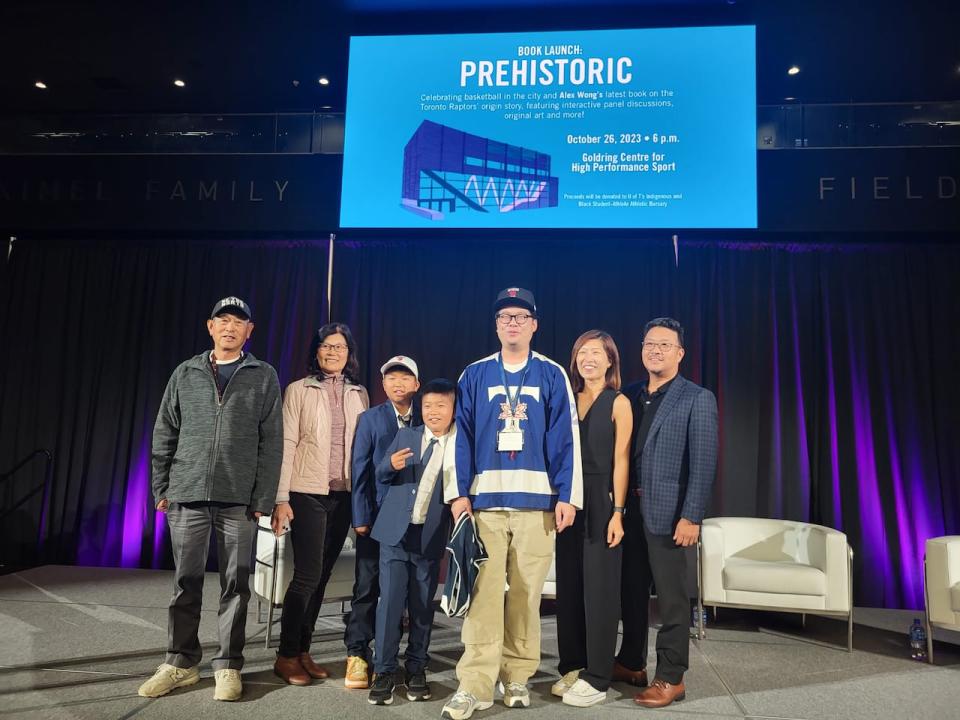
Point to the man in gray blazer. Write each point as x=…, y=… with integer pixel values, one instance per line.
x=671, y=477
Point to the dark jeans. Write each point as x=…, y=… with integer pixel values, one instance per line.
x=658, y=558
x=407, y=578
x=317, y=533
x=588, y=585
x=361, y=624
x=190, y=526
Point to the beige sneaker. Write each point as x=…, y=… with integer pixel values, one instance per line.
x=565, y=683
x=167, y=678
x=229, y=687
x=357, y=676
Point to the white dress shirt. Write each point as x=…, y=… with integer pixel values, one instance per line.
x=442, y=462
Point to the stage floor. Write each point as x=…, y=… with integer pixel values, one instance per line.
x=77, y=642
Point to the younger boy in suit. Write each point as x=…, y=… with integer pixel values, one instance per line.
x=415, y=480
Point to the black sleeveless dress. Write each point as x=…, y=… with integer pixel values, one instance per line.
x=597, y=439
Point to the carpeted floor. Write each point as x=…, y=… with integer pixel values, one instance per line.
x=77, y=642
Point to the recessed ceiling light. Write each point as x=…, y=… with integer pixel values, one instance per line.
x=323, y=80
x=40, y=84
x=326, y=107
x=789, y=99
x=179, y=83
x=793, y=70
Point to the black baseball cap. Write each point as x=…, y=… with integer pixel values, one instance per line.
x=515, y=297
x=231, y=304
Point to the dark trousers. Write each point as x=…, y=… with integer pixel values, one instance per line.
x=190, y=526
x=361, y=624
x=407, y=578
x=658, y=558
x=588, y=586
x=317, y=533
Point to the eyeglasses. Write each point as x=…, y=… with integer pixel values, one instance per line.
x=663, y=347
x=334, y=348
x=505, y=318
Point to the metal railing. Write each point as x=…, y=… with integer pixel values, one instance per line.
x=779, y=127
x=47, y=478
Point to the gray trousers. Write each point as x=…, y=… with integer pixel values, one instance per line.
x=190, y=527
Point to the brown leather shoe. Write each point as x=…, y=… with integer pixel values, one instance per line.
x=660, y=694
x=634, y=677
x=291, y=670
x=317, y=672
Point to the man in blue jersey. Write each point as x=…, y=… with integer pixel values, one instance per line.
x=518, y=470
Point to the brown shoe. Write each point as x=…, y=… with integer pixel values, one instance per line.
x=634, y=677
x=660, y=694
x=291, y=670
x=317, y=672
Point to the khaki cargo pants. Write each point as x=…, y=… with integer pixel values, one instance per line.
x=501, y=633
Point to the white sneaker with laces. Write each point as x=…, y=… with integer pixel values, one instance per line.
x=229, y=687
x=565, y=683
x=169, y=677
x=462, y=705
x=583, y=694
x=514, y=694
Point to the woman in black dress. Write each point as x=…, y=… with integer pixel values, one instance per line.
x=589, y=553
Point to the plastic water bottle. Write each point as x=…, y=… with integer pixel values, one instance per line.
x=693, y=617
x=918, y=641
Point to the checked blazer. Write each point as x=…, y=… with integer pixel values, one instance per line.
x=679, y=461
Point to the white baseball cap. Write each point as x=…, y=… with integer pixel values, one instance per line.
x=401, y=360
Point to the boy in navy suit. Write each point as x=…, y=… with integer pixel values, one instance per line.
x=417, y=479
x=376, y=429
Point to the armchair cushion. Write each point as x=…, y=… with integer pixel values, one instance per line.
x=955, y=597
x=782, y=576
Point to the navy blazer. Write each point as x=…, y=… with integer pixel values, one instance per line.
x=400, y=492
x=376, y=429
x=679, y=460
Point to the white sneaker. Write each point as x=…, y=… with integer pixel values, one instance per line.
x=167, y=678
x=229, y=687
x=583, y=694
x=565, y=683
x=514, y=694
x=462, y=705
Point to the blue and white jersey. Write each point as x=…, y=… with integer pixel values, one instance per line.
x=547, y=469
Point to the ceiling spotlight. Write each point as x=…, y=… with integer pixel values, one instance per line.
x=790, y=99
x=326, y=107
x=40, y=84
x=296, y=83
x=323, y=80
x=179, y=83
x=793, y=70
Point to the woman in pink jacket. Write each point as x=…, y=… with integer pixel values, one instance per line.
x=313, y=499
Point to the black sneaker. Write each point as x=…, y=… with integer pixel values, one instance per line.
x=417, y=687
x=382, y=691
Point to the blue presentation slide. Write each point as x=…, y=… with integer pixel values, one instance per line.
x=652, y=128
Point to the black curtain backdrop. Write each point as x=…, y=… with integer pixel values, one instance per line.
x=832, y=364
x=90, y=334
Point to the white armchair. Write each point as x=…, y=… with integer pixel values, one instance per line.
x=782, y=565
x=277, y=553
x=941, y=585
